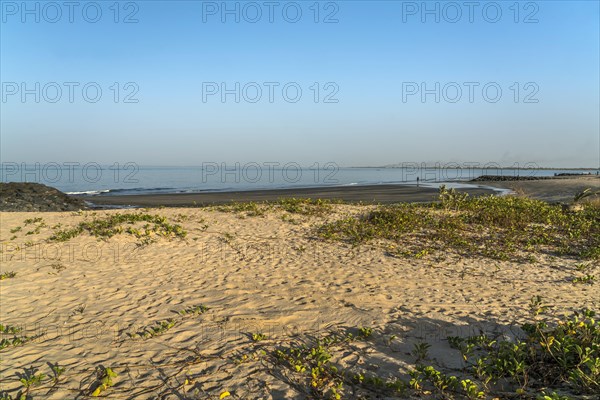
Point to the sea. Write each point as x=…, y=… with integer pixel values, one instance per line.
x=129, y=178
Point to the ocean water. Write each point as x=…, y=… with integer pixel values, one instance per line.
x=121, y=179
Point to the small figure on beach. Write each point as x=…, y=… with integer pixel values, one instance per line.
x=417, y=181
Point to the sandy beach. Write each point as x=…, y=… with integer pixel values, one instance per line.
x=89, y=304
x=560, y=189
x=377, y=194
x=307, y=200
x=557, y=189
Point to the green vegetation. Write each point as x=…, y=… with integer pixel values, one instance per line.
x=194, y=310
x=104, y=228
x=585, y=279
x=584, y=194
x=57, y=267
x=15, y=340
x=161, y=327
x=496, y=227
x=158, y=328
x=38, y=220
x=421, y=351
x=57, y=371
x=7, y=275
x=31, y=378
x=10, y=330
x=550, y=358
x=312, y=367
x=257, y=337
x=104, y=381
x=365, y=332
x=563, y=353
x=307, y=206
x=555, y=355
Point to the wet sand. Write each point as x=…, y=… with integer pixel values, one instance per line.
x=383, y=194
x=559, y=189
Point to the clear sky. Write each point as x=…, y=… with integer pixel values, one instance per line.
x=397, y=82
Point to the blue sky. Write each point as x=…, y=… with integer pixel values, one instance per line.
x=368, y=61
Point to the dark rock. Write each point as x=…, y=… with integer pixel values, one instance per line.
x=36, y=197
x=508, y=178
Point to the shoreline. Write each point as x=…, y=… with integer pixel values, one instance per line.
x=384, y=194
x=550, y=189
x=38, y=197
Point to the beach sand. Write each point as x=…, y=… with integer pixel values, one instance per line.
x=558, y=189
x=263, y=274
x=85, y=296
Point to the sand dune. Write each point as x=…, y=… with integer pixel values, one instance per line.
x=85, y=298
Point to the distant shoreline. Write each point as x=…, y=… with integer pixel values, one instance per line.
x=483, y=166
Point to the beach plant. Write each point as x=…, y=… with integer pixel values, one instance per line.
x=257, y=337
x=312, y=364
x=306, y=206
x=581, y=267
x=537, y=305
x=497, y=227
x=57, y=267
x=421, y=350
x=156, y=329
x=103, y=382
x=376, y=384
x=30, y=378
x=15, y=230
x=9, y=329
x=6, y=396
x=584, y=194
x=227, y=237
x=552, y=396
x=422, y=375
x=588, y=278
x=566, y=352
x=36, y=220
x=365, y=332
x=114, y=224
x=15, y=340
x=7, y=275
x=289, y=219
x=193, y=310
x=57, y=371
